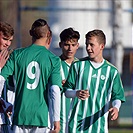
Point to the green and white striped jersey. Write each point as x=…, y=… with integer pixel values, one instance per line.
x=65, y=102
x=104, y=84
x=33, y=68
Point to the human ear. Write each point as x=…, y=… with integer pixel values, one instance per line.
x=77, y=45
x=102, y=46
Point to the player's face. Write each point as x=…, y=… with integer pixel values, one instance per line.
x=5, y=42
x=69, y=48
x=94, y=49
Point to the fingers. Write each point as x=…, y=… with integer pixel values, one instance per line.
x=82, y=94
x=63, y=82
x=4, y=54
x=9, y=114
x=56, y=127
x=3, y=57
x=114, y=113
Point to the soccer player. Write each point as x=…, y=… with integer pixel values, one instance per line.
x=33, y=68
x=6, y=37
x=101, y=80
x=69, y=45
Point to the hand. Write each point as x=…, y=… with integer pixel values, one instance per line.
x=56, y=127
x=63, y=82
x=9, y=110
x=3, y=57
x=5, y=107
x=114, y=113
x=82, y=94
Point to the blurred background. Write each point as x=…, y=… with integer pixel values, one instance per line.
x=114, y=17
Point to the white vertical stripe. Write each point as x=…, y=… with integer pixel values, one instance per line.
x=62, y=73
x=86, y=101
x=64, y=112
x=103, y=90
x=79, y=87
x=94, y=99
x=110, y=90
x=106, y=122
x=63, y=102
x=69, y=114
x=63, y=98
x=109, y=97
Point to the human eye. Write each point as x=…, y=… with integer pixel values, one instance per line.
x=74, y=44
x=4, y=38
x=91, y=44
x=66, y=44
x=10, y=40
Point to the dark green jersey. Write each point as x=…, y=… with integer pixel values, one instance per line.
x=33, y=68
x=104, y=84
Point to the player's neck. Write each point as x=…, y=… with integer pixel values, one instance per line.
x=97, y=59
x=67, y=60
x=41, y=42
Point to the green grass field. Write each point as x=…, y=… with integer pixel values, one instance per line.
x=122, y=129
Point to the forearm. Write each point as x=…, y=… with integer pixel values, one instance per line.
x=70, y=93
x=55, y=90
x=81, y=94
x=116, y=103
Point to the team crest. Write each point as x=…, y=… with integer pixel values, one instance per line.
x=102, y=77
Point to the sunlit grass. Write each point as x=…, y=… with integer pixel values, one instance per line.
x=123, y=128
x=120, y=131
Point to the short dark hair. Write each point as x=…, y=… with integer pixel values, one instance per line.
x=97, y=33
x=6, y=29
x=68, y=34
x=39, y=29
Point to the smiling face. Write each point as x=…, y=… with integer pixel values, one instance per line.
x=69, y=48
x=94, y=49
x=5, y=42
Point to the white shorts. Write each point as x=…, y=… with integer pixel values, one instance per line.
x=30, y=129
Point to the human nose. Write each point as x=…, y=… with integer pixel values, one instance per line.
x=70, y=47
x=88, y=47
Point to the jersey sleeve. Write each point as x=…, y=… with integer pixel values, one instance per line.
x=71, y=79
x=55, y=77
x=118, y=90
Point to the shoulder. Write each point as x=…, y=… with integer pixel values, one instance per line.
x=16, y=52
x=110, y=64
x=84, y=59
x=80, y=63
x=53, y=58
x=113, y=69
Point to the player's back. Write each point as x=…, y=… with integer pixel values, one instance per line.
x=33, y=69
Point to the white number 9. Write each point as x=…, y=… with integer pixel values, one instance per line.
x=32, y=75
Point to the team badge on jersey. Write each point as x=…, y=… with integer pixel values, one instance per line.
x=102, y=77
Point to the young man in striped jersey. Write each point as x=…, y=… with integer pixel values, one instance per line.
x=89, y=112
x=33, y=68
x=6, y=37
x=69, y=45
